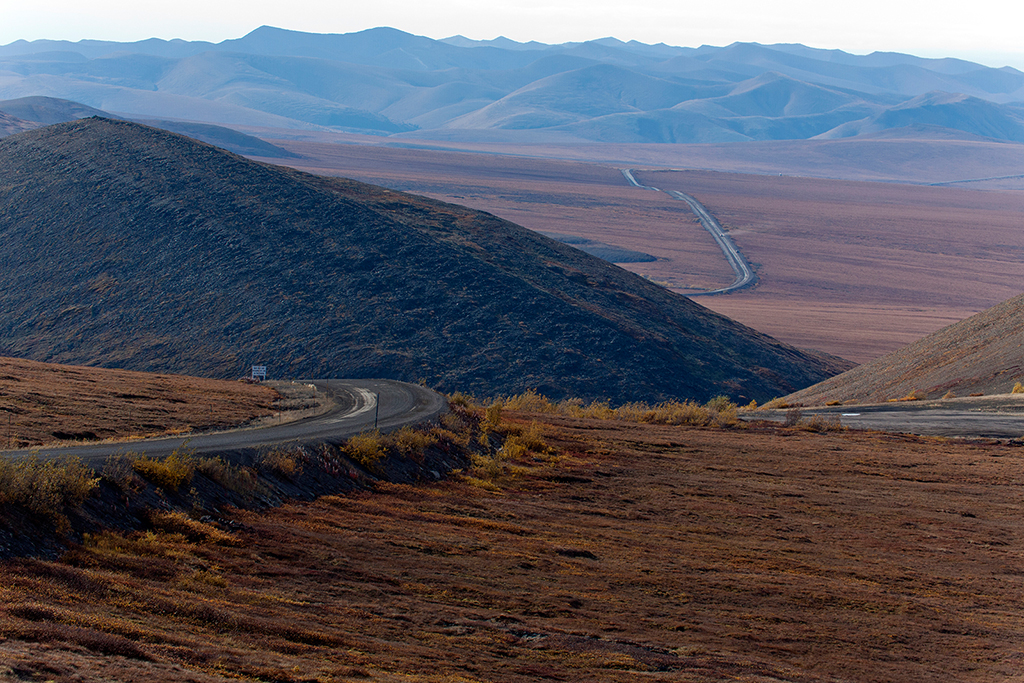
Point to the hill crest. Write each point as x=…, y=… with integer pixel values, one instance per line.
x=982, y=354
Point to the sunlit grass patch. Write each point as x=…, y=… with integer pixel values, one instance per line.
x=719, y=411
x=168, y=473
x=46, y=487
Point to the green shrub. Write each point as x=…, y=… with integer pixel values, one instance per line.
x=1018, y=388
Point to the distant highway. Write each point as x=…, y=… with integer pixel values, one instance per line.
x=744, y=273
x=355, y=406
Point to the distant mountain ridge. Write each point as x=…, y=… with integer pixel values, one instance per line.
x=131, y=247
x=27, y=113
x=387, y=82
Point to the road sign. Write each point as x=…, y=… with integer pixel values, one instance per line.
x=259, y=372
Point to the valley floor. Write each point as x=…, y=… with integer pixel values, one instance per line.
x=853, y=268
x=676, y=553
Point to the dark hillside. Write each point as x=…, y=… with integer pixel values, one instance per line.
x=127, y=246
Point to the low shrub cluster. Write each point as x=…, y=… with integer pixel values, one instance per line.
x=814, y=423
x=502, y=449
x=242, y=480
x=366, y=449
x=719, y=411
x=46, y=487
x=915, y=395
x=168, y=473
x=185, y=486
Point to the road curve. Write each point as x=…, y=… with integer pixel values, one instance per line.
x=354, y=408
x=740, y=267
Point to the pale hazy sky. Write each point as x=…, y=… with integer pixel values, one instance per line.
x=987, y=31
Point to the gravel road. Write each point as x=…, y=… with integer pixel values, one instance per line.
x=996, y=417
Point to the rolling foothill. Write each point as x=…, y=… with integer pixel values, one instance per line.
x=597, y=361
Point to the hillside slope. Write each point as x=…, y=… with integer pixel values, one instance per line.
x=127, y=246
x=984, y=353
x=46, y=402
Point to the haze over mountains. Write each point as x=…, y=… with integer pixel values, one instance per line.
x=386, y=82
x=127, y=246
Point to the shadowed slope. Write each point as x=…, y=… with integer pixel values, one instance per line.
x=131, y=247
x=984, y=353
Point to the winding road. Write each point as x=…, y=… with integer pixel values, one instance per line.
x=354, y=406
x=744, y=273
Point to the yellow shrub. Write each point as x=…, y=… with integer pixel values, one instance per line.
x=915, y=395
x=408, y=441
x=365, y=449
x=492, y=418
x=529, y=401
x=168, y=473
x=46, y=487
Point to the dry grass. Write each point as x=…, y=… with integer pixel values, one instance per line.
x=168, y=473
x=660, y=552
x=45, y=487
x=45, y=403
x=718, y=411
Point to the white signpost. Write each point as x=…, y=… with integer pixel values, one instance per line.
x=259, y=372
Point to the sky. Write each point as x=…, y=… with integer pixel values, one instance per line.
x=985, y=31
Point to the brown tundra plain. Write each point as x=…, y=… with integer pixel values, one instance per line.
x=853, y=268
x=602, y=549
